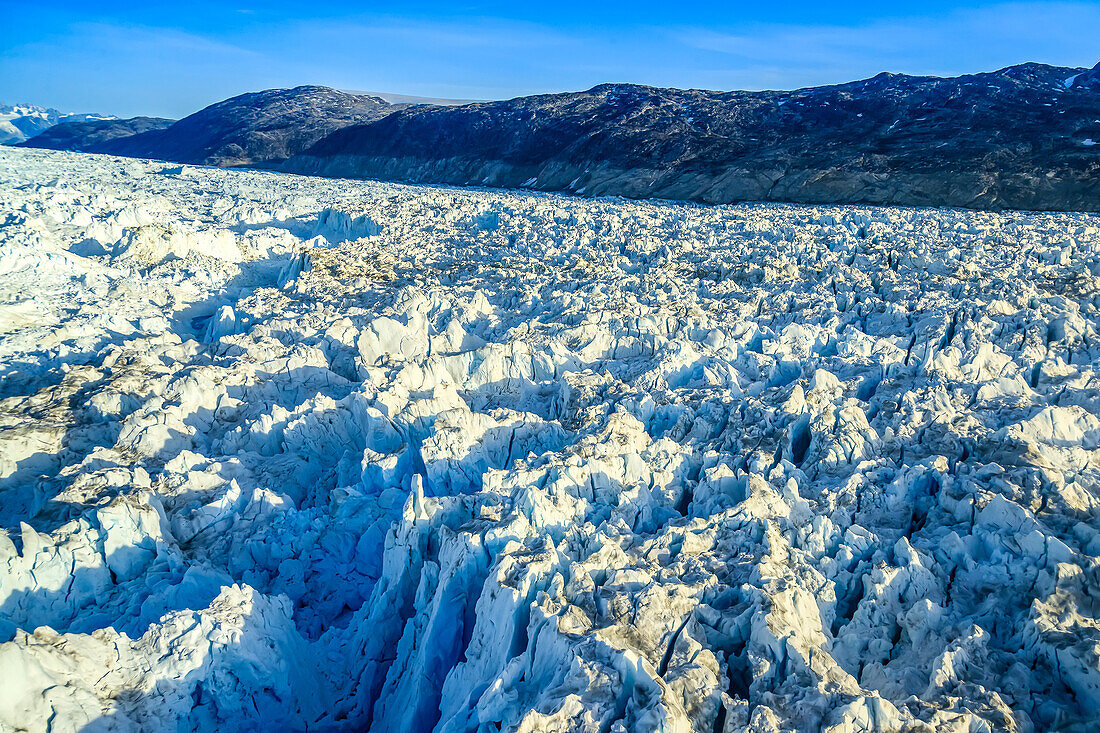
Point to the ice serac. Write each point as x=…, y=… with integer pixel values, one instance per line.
x=301, y=454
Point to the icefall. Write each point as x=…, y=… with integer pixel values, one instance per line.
x=323, y=455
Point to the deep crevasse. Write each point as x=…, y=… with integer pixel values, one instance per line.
x=344, y=455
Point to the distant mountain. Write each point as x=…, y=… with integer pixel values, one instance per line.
x=91, y=135
x=22, y=121
x=1021, y=137
x=257, y=129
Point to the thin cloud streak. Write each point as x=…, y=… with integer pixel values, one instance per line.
x=149, y=70
x=128, y=69
x=964, y=41
x=485, y=33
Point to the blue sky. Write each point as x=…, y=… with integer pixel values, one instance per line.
x=170, y=59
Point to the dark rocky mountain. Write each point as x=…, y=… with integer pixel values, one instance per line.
x=1021, y=137
x=258, y=129
x=89, y=135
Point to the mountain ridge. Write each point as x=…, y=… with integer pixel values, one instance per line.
x=257, y=129
x=89, y=135
x=986, y=141
x=1018, y=138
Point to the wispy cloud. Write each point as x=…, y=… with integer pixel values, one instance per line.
x=469, y=58
x=124, y=39
x=438, y=35
x=126, y=67
x=956, y=42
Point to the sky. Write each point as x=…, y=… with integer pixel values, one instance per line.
x=170, y=59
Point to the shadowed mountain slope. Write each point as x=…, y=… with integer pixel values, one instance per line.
x=256, y=129
x=1024, y=137
x=1016, y=138
x=90, y=135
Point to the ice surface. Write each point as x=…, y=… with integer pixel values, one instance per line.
x=289, y=453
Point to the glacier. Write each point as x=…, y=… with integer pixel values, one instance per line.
x=299, y=454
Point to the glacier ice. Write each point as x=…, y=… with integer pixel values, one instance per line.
x=341, y=455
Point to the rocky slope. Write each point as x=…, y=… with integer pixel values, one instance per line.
x=256, y=129
x=1017, y=138
x=285, y=453
x=1024, y=137
x=92, y=135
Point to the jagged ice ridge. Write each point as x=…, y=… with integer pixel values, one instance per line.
x=342, y=455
